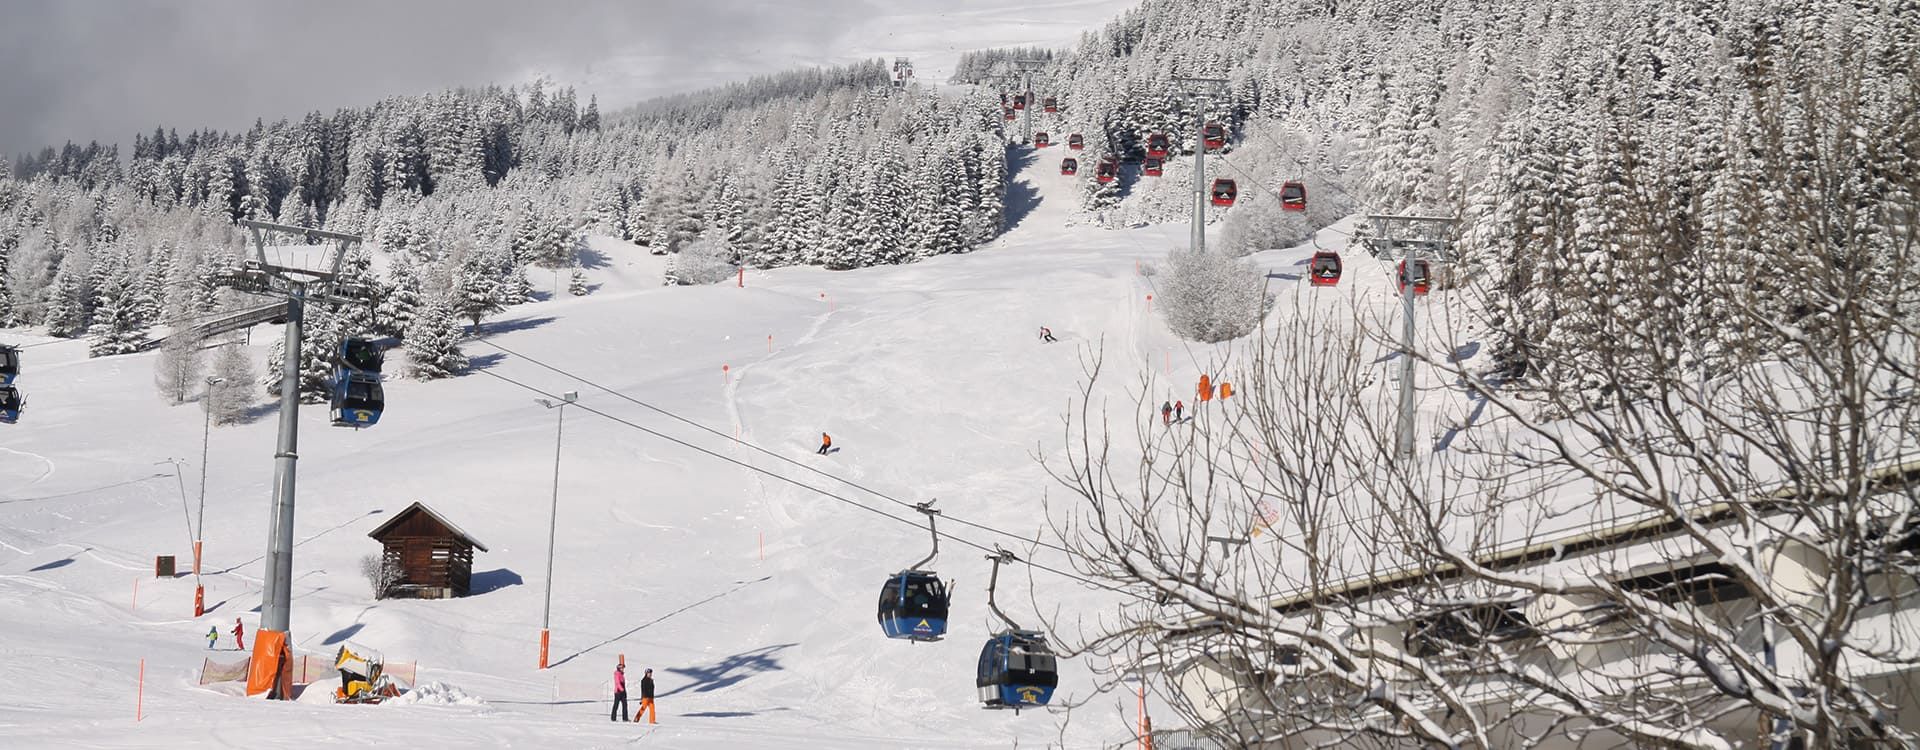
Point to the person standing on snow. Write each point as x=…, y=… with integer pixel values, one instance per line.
x=619, y=694
x=213, y=636
x=1178, y=406
x=826, y=442
x=1166, y=413
x=239, y=635
x=646, y=700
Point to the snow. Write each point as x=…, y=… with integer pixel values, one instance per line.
x=750, y=597
x=436, y=694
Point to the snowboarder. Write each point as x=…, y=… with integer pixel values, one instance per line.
x=619, y=694
x=213, y=636
x=1166, y=413
x=239, y=635
x=1046, y=334
x=646, y=700
x=1178, y=406
x=826, y=442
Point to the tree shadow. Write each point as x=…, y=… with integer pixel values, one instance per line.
x=484, y=361
x=1465, y=352
x=1022, y=198
x=509, y=326
x=729, y=671
x=493, y=580
x=51, y=565
x=730, y=714
x=343, y=634
x=1446, y=441
x=590, y=258
x=657, y=620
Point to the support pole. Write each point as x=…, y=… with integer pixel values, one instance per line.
x=1199, y=241
x=1403, y=436
x=200, y=518
x=553, y=518
x=276, y=599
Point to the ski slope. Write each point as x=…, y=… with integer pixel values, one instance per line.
x=752, y=598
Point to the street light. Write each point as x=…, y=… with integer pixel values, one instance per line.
x=553, y=515
x=200, y=519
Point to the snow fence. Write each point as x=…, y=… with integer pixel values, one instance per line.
x=307, y=668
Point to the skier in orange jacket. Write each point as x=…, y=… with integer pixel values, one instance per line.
x=826, y=442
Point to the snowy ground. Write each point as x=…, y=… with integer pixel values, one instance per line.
x=928, y=376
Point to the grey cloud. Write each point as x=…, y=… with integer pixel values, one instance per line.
x=85, y=70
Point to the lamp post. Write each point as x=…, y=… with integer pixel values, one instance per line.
x=553, y=516
x=200, y=517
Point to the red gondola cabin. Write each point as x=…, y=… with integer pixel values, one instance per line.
x=1050, y=104
x=1422, y=276
x=1075, y=142
x=1214, y=136
x=1224, y=191
x=1040, y=140
x=1153, y=167
x=1009, y=114
x=1069, y=166
x=1019, y=101
x=1293, y=196
x=1108, y=171
x=1324, y=269
x=1158, y=146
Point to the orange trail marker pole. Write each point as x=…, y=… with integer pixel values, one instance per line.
x=743, y=277
x=769, y=343
x=140, y=693
x=727, y=371
x=136, y=595
x=763, y=545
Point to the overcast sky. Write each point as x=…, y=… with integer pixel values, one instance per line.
x=105, y=69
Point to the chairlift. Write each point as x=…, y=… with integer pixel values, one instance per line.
x=1324, y=269
x=1040, y=140
x=1224, y=191
x=1153, y=167
x=1422, y=276
x=1050, y=104
x=9, y=363
x=11, y=404
x=1069, y=166
x=1293, y=196
x=1108, y=170
x=1213, y=136
x=1075, y=142
x=1019, y=101
x=1158, y=146
x=914, y=602
x=1017, y=668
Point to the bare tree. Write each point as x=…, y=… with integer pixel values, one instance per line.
x=177, y=371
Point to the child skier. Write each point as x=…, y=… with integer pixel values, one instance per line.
x=213, y=636
x=239, y=635
x=1046, y=334
x=1178, y=406
x=826, y=442
x=1166, y=413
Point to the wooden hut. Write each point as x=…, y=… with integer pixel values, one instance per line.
x=424, y=556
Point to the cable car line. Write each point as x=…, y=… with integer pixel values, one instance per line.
x=763, y=451
x=817, y=490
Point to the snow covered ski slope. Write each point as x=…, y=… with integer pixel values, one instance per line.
x=749, y=594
